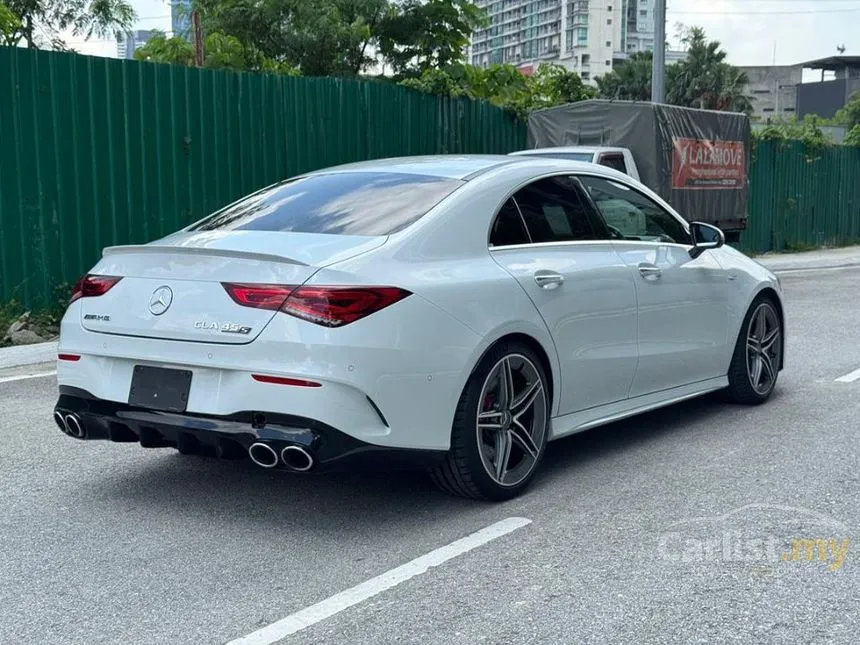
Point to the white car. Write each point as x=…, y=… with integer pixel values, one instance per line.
x=453, y=312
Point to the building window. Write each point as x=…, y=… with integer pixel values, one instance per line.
x=609, y=21
x=585, y=76
x=609, y=63
x=586, y=59
x=767, y=110
x=609, y=43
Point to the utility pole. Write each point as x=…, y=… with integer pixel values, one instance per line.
x=658, y=70
x=198, y=38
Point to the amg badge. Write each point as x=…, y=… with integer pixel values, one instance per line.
x=226, y=328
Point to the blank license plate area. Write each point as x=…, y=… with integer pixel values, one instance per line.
x=159, y=388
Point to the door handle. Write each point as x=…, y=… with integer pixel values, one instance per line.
x=650, y=271
x=548, y=279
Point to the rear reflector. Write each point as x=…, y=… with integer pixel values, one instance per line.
x=68, y=357
x=283, y=380
x=333, y=306
x=91, y=286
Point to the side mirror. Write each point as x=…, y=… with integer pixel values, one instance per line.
x=705, y=237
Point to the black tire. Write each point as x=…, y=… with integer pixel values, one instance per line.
x=741, y=387
x=463, y=471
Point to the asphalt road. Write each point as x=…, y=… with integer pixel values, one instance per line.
x=675, y=527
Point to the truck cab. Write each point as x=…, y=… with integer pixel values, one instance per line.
x=620, y=159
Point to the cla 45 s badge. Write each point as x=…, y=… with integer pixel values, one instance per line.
x=225, y=328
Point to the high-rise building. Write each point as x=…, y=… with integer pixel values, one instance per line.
x=180, y=18
x=585, y=36
x=129, y=42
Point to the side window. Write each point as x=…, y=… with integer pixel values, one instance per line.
x=554, y=211
x=613, y=160
x=632, y=214
x=508, y=228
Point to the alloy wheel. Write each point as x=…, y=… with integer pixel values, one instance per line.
x=511, y=420
x=764, y=345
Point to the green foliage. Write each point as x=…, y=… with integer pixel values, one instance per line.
x=346, y=37
x=10, y=25
x=853, y=136
x=505, y=86
x=417, y=35
x=849, y=115
x=219, y=52
x=40, y=22
x=808, y=131
x=704, y=80
x=629, y=80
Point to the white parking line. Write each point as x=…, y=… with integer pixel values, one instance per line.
x=24, y=377
x=346, y=599
x=850, y=377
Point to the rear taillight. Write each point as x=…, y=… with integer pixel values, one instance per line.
x=338, y=306
x=328, y=306
x=91, y=286
x=258, y=296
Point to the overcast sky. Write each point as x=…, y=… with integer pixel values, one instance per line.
x=748, y=29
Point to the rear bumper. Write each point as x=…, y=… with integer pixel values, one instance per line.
x=232, y=435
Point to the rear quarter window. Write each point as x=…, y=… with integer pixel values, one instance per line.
x=353, y=203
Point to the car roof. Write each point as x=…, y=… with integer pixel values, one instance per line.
x=461, y=167
x=585, y=149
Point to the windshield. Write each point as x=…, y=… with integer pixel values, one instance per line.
x=354, y=203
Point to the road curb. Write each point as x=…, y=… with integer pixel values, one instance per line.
x=28, y=355
x=813, y=267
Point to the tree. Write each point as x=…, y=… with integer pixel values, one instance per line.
x=417, y=35
x=704, y=80
x=40, y=22
x=849, y=115
x=505, y=86
x=9, y=26
x=219, y=52
x=630, y=80
x=346, y=37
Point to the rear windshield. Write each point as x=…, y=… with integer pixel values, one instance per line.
x=353, y=203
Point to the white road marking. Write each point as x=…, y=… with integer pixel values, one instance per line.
x=24, y=377
x=850, y=377
x=346, y=599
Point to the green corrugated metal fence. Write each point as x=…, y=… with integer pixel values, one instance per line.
x=802, y=197
x=96, y=151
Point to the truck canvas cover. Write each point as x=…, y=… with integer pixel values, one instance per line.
x=696, y=160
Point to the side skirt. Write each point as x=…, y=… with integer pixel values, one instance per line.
x=593, y=417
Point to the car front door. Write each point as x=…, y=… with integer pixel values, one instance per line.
x=549, y=239
x=682, y=301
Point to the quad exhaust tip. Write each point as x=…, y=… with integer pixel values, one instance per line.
x=297, y=458
x=74, y=427
x=60, y=421
x=263, y=455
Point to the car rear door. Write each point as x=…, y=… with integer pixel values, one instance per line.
x=682, y=301
x=547, y=238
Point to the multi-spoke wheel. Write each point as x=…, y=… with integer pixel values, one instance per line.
x=758, y=354
x=500, y=427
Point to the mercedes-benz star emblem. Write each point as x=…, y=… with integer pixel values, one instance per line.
x=160, y=300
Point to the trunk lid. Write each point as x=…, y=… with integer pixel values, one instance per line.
x=171, y=288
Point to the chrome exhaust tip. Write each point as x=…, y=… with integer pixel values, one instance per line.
x=60, y=421
x=263, y=455
x=74, y=425
x=297, y=458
